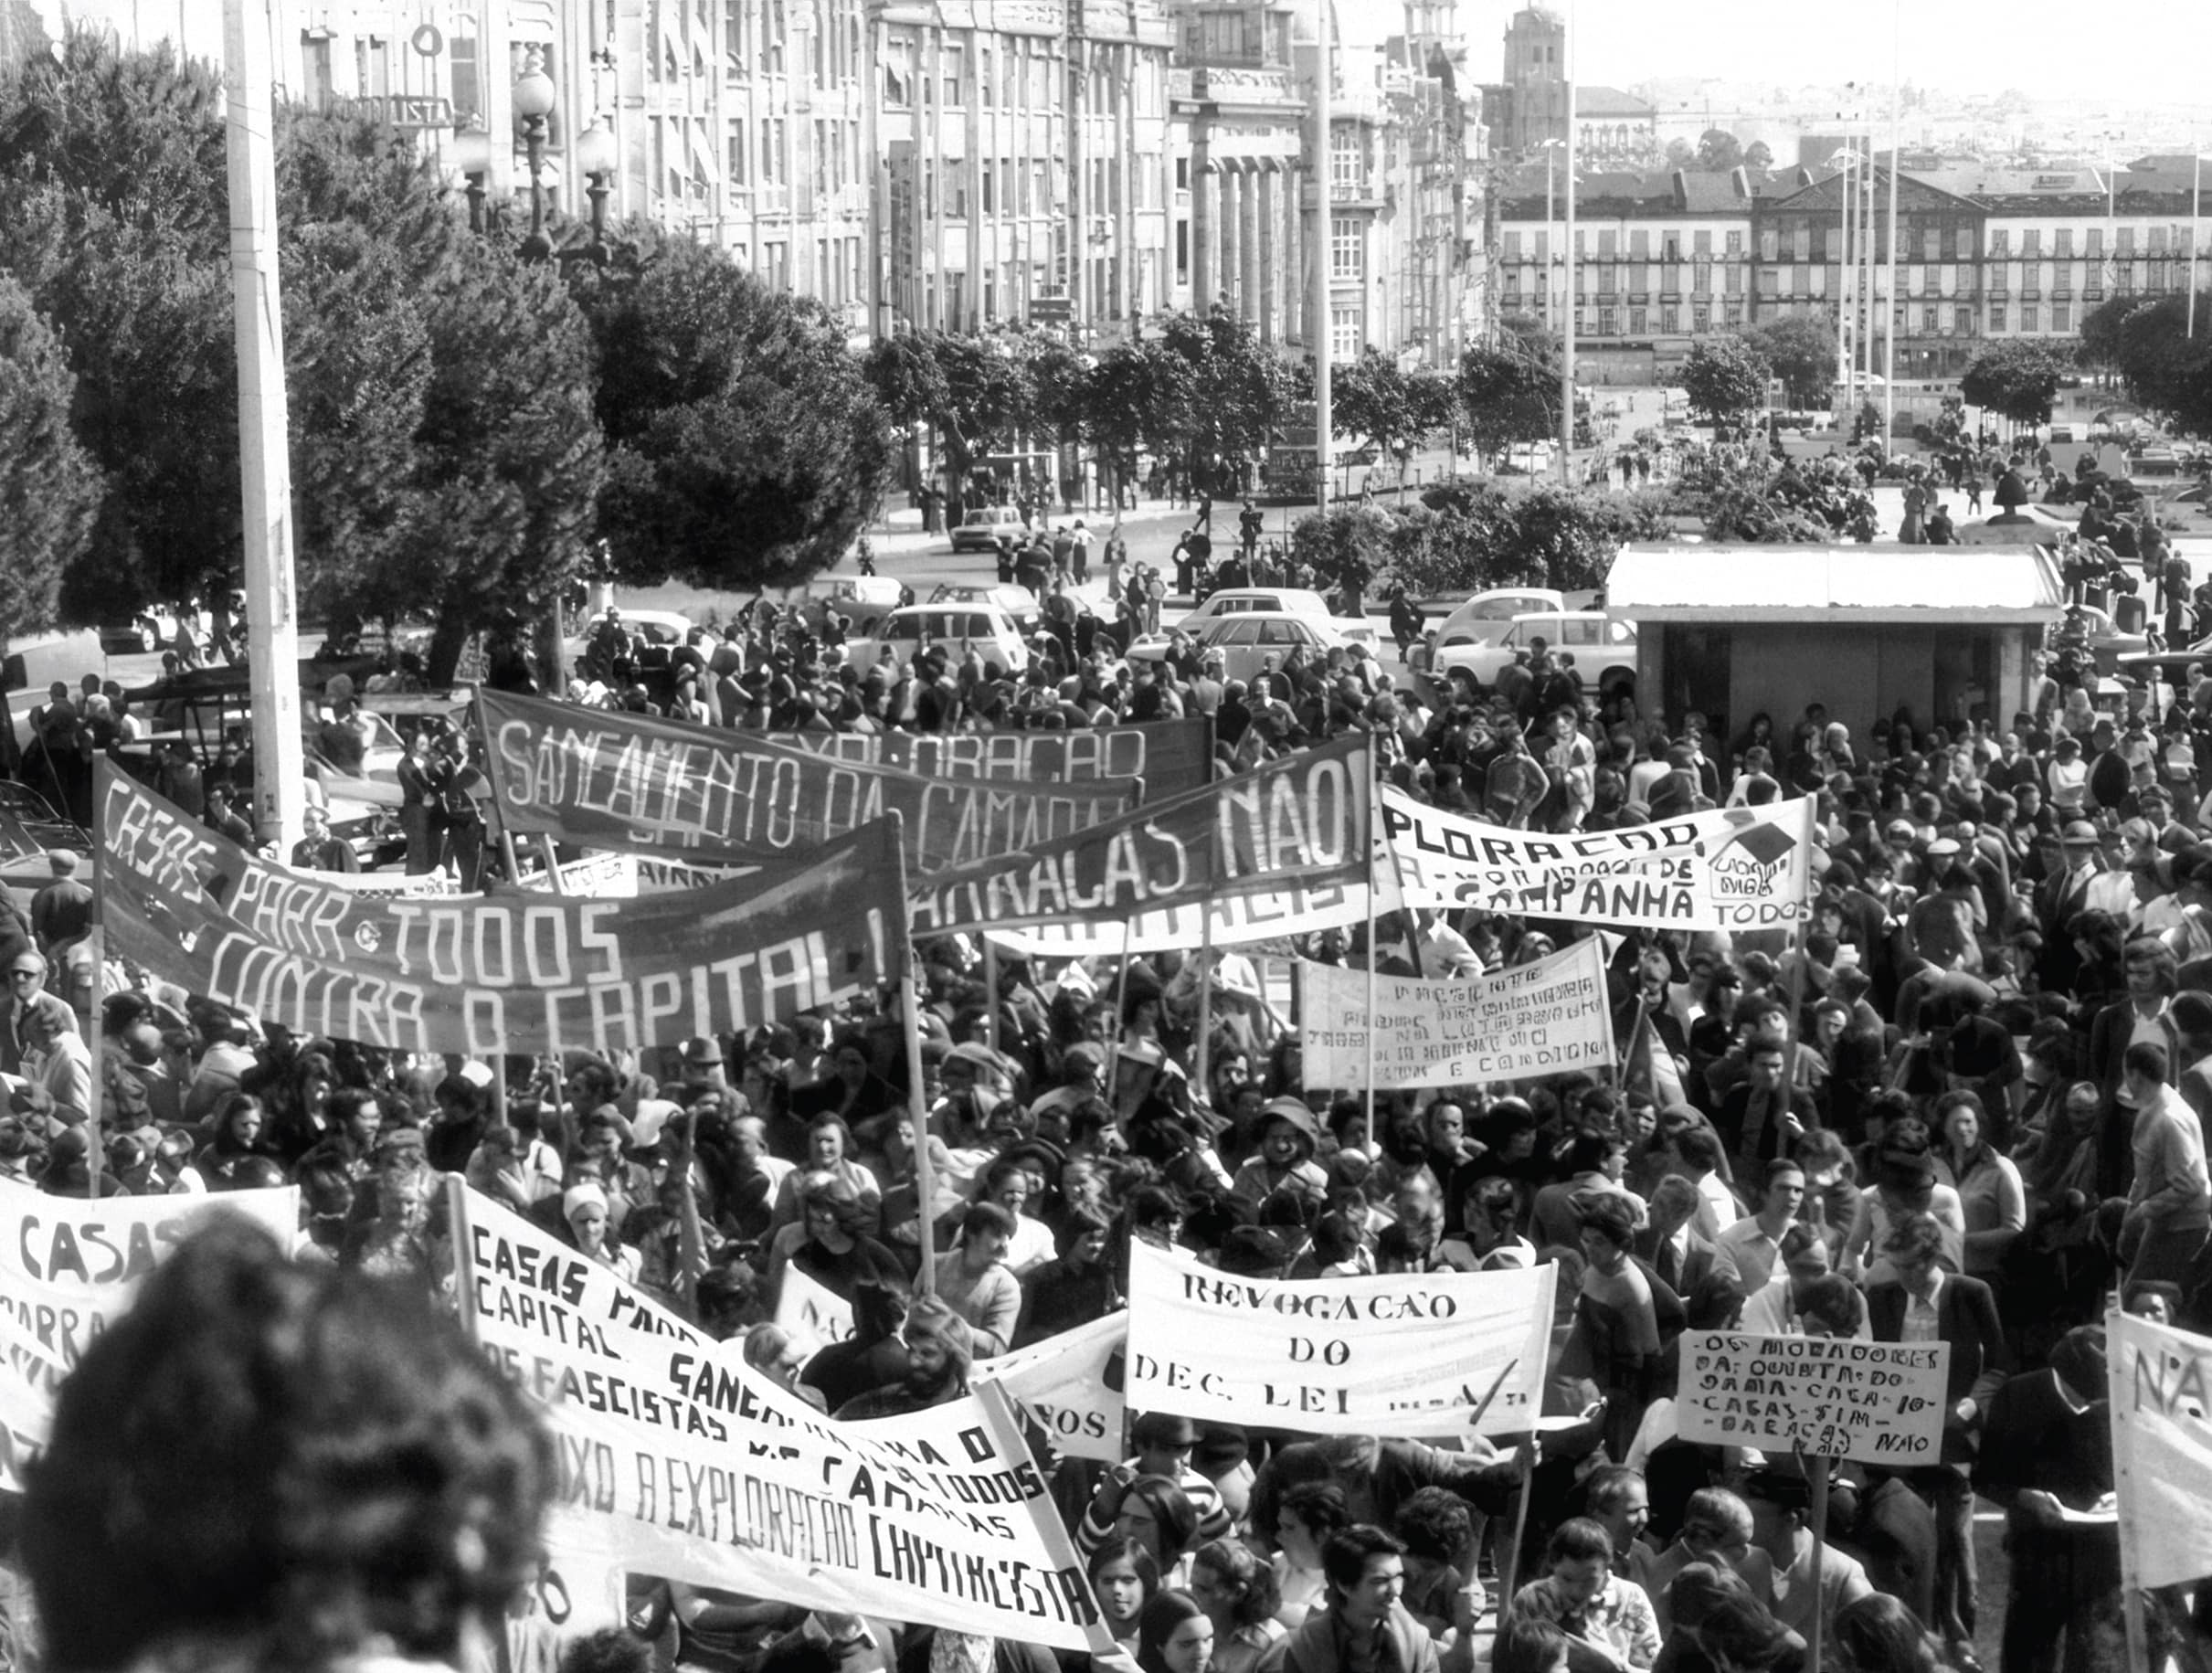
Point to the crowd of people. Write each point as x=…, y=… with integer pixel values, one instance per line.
x=1965, y=1102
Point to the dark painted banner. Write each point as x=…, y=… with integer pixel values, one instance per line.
x=1170, y=756
x=480, y=974
x=667, y=789
x=1300, y=820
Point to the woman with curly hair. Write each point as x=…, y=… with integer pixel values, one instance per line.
x=1238, y=1593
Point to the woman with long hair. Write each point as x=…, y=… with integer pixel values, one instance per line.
x=1991, y=1193
x=1304, y=1519
x=1124, y=1577
x=1881, y=1635
x=1174, y=1635
x=1157, y=1514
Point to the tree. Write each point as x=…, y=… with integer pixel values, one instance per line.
x=1799, y=349
x=1511, y=391
x=1681, y=153
x=1392, y=408
x=1239, y=388
x=1719, y=151
x=746, y=446
x=1749, y=498
x=50, y=489
x=974, y=391
x=2018, y=379
x=2147, y=340
x=1759, y=157
x=1725, y=378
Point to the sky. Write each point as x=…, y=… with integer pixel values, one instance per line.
x=2042, y=46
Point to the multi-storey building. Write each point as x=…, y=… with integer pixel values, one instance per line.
x=1983, y=254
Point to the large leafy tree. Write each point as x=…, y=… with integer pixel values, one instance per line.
x=50, y=489
x=1376, y=397
x=1747, y=498
x=1136, y=399
x=2018, y=379
x=1800, y=349
x=1239, y=388
x=746, y=447
x=974, y=391
x=1510, y=389
x=2147, y=340
x=1719, y=151
x=1725, y=378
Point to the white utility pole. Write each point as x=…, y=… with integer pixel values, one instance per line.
x=1897, y=301
x=272, y=625
x=1566, y=358
x=1324, y=258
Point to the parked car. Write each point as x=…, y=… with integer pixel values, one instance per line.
x=1254, y=643
x=1276, y=601
x=957, y=627
x=1483, y=619
x=980, y=529
x=29, y=829
x=1604, y=650
x=1529, y=458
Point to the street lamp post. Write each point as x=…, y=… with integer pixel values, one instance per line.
x=535, y=96
x=597, y=159
x=473, y=157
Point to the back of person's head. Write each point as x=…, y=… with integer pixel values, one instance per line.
x=1914, y=1237
x=1697, y=1589
x=1436, y=1525
x=1834, y=1301
x=1528, y=1644
x=1879, y=1633
x=1738, y=1632
x=1699, y=1148
x=288, y=1460
x=611, y=1649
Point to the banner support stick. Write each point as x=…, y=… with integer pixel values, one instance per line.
x=1121, y=983
x=1374, y=956
x=1817, y=1473
x=553, y=866
x=1509, y=1560
x=2117, y=1396
x=991, y=987
x=95, y=1153
x=918, y=1102
x=1204, y=1058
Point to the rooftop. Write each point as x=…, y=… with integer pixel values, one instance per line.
x=1986, y=584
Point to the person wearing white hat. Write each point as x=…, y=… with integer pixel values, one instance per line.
x=584, y=1211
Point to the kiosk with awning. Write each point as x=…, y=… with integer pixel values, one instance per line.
x=1730, y=630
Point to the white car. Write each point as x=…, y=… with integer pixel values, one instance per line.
x=1253, y=643
x=1301, y=601
x=957, y=627
x=1604, y=650
x=1530, y=458
x=1484, y=619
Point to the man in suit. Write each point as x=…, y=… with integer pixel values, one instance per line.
x=2059, y=897
x=1672, y=1245
x=1927, y=1304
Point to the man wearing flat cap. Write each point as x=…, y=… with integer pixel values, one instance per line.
x=62, y=912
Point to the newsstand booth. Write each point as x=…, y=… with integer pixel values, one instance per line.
x=1730, y=630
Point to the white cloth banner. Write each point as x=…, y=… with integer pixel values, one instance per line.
x=69, y=1266
x=1410, y=1354
x=1533, y=1019
x=810, y=1309
x=1732, y=868
x=1070, y=1385
x=692, y=1465
x=1873, y=1403
x=2160, y=1382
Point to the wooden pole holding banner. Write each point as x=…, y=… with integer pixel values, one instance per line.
x=1206, y=1013
x=918, y=1102
x=691, y=1239
x=94, y=1151
x=990, y=984
x=1509, y=1560
x=1121, y=983
x=1374, y=956
x=1816, y=1474
x=456, y=1219
x=1798, y=934
x=553, y=866
x=2117, y=1397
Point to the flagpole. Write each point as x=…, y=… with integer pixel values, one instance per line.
x=1121, y=1004
x=991, y=983
x=94, y=1024
x=918, y=1102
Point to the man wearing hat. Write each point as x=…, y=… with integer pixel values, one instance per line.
x=62, y=912
x=1165, y=1444
x=2058, y=899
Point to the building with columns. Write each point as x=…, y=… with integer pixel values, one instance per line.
x=1245, y=113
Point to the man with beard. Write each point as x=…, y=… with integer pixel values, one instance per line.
x=939, y=1349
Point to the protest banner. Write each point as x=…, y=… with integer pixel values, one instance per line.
x=482, y=975
x=807, y=1308
x=69, y=1266
x=1729, y=868
x=644, y=785
x=687, y=1463
x=1170, y=756
x=1407, y=1354
x=1872, y=1403
x=2160, y=1386
x=1301, y=820
x=1529, y=1021
x=1070, y=1386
